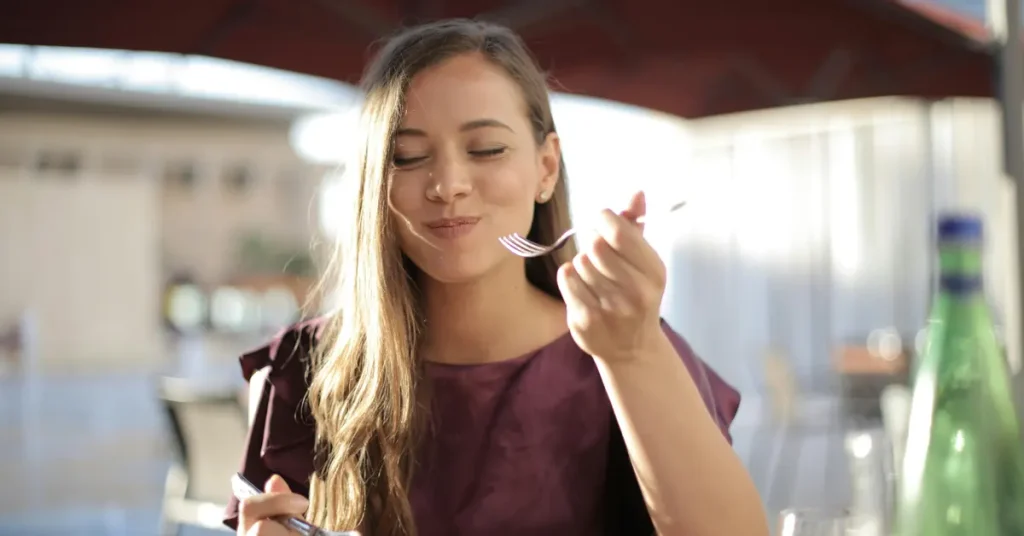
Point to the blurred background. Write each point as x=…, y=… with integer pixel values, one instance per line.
x=167, y=171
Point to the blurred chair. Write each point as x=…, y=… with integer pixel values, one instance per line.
x=10, y=349
x=208, y=426
x=14, y=345
x=798, y=450
x=865, y=370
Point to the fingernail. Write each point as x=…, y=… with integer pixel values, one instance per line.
x=270, y=483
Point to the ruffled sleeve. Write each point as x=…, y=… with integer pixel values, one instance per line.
x=281, y=438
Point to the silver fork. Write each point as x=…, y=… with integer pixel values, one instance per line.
x=244, y=489
x=525, y=247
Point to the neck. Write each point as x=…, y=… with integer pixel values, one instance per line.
x=496, y=317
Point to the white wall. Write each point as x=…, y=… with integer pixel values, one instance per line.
x=88, y=251
x=806, y=226
x=83, y=259
x=813, y=225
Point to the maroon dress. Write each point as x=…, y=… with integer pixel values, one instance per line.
x=524, y=446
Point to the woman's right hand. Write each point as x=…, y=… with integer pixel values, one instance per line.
x=255, y=514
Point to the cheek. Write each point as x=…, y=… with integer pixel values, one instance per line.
x=404, y=197
x=510, y=185
x=511, y=192
x=404, y=203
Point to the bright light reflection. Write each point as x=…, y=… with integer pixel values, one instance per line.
x=175, y=74
x=844, y=202
x=12, y=59
x=860, y=446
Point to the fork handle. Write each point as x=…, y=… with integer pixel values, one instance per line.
x=657, y=214
x=243, y=489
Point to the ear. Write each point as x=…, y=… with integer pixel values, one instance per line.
x=549, y=160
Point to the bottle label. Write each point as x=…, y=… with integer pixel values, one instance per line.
x=960, y=283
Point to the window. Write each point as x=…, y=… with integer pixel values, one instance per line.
x=238, y=179
x=181, y=176
x=58, y=163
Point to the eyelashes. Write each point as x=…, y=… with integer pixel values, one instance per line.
x=407, y=162
x=404, y=162
x=487, y=153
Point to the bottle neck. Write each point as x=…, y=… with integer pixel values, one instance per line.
x=960, y=268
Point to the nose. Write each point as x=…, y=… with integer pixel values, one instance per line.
x=449, y=180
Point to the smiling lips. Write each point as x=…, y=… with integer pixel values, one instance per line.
x=450, y=228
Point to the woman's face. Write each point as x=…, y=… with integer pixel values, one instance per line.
x=467, y=169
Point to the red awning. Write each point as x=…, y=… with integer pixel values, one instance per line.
x=688, y=58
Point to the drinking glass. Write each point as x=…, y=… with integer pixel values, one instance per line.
x=807, y=522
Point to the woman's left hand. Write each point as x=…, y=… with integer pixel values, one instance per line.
x=613, y=287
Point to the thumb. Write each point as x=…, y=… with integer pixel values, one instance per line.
x=637, y=207
x=276, y=484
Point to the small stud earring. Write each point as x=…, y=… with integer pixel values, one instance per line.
x=544, y=196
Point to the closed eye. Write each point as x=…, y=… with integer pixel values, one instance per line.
x=406, y=162
x=486, y=153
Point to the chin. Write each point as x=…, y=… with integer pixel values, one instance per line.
x=458, y=268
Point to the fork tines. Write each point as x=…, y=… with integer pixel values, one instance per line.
x=522, y=246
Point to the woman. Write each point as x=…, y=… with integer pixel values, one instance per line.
x=464, y=390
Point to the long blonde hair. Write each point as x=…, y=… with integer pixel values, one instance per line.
x=366, y=393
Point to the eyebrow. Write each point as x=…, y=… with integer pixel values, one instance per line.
x=466, y=127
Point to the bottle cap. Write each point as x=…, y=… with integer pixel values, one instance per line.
x=960, y=228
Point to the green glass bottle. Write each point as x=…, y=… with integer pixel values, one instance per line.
x=963, y=467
